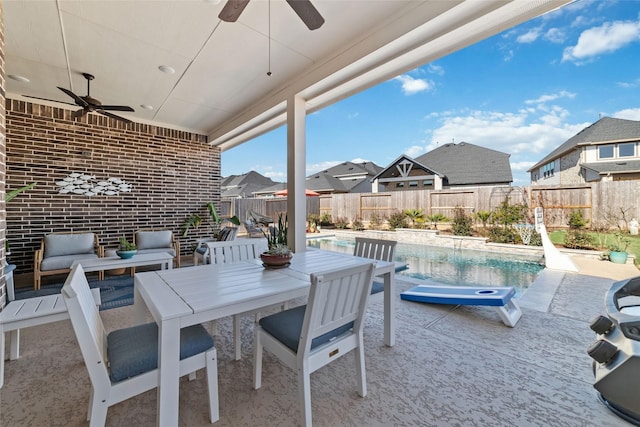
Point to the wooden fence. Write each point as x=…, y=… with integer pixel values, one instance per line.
x=603, y=204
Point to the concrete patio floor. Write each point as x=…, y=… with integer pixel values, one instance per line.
x=451, y=366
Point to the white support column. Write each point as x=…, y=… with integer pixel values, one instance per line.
x=296, y=168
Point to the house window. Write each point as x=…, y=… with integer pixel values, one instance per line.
x=399, y=184
x=605, y=152
x=413, y=183
x=627, y=149
x=548, y=169
x=427, y=183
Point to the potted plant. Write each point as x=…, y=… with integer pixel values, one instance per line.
x=618, y=249
x=126, y=249
x=278, y=253
x=216, y=222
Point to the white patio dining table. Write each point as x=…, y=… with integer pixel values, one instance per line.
x=186, y=296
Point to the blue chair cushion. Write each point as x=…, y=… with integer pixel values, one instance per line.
x=286, y=327
x=202, y=250
x=134, y=351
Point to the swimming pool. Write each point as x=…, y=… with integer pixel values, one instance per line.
x=457, y=267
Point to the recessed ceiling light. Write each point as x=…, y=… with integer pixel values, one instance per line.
x=166, y=69
x=146, y=106
x=18, y=78
x=212, y=1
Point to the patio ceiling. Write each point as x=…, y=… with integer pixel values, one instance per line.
x=220, y=86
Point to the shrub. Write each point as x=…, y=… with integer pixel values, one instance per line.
x=462, y=223
x=325, y=219
x=414, y=215
x=375, y=223
x=576, y=220
x=357, y=224
x=483, y=217
x=341, y=222
x=578, y=239
x=502, y=235
x=435, y=219
x=397, y=220
x=507, y=214
x=536, y=239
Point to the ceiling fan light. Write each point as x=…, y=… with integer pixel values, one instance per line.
x=166, y=69
x=18, y=78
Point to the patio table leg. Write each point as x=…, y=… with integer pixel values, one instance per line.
x=168, y=372
x=389, y=309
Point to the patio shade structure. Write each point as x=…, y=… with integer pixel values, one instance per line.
x=197, y=73
x=307, y=193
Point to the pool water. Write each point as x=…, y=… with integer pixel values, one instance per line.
x=456, y=267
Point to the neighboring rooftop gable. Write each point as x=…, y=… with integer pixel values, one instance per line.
x=607, y=129
x=324, y=183
x=468, y=164
x=244, y=185
x=346, y=169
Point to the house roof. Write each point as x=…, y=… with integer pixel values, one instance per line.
x=325, y=183
x=244, y=185
x=607, y=129
x=468, y=164
x=617, y=167
x=346, y=169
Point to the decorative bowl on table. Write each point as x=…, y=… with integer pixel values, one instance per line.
x=126, y=254
x=275, y=260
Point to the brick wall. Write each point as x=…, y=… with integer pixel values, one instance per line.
x=3, y=222
x=173, y=174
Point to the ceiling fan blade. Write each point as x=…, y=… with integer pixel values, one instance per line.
x=232, y=10
x=307, y=12
x=113, y=116
x=47, y=99
x=79, y=101
x=79, y=113
x=116, y=108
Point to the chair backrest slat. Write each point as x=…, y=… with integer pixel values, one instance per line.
x=87, y=324
x=233, y=251
x=336, y=297
x=381, y=250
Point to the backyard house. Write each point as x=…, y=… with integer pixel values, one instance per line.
x=448, y=166
x=248, y=184
x=608, y=150
x=345, y=177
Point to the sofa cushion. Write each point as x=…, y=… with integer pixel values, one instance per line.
x=68, y=244
x=63, y=262
x=154, y=239
x=134, y=351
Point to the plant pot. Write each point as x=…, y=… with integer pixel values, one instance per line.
x=126, y=254
x=270, y=260
x=618, y=257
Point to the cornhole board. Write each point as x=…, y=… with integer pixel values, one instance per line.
x=501, y=298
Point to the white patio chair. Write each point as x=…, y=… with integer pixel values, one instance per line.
x=378, y=249
x=124, y=363
x=307, y=338
x=201, y=254
x=231, y=252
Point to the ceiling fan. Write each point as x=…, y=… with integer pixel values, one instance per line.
x=303, y=8
x=89, y=103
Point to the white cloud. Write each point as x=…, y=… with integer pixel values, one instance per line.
x=359, y=160
x=606, y=38
x=551, y=97
x=628, y=114
x=351, y=116
x=412, y=86
x=555, y=35
x=435, y=69
x=530, y=36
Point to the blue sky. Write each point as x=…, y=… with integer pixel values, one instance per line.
x=523, y=92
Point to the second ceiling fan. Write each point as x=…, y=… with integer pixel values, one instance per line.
x=303, y=8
